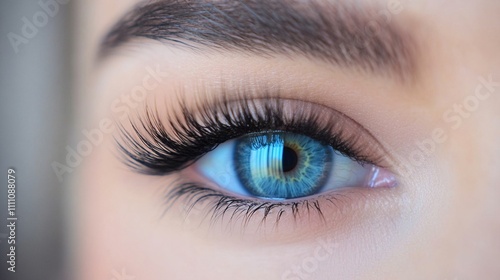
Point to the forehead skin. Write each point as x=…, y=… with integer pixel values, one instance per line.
x=456, y=238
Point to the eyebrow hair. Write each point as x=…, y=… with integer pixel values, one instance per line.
x=340, y=33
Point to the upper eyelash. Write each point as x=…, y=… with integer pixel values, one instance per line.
x=150, y=148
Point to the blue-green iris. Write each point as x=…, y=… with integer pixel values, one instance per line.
x=282, y=165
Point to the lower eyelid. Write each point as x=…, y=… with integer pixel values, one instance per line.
x=220, y=206
x=340, y=210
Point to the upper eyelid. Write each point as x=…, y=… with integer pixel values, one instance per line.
x=150, y=123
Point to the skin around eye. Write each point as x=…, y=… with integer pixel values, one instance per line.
x=441, y=222
x=332, y=161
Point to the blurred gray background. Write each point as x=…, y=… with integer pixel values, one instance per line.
x=35, y=114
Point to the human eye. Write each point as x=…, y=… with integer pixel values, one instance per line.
x=255, y=157
x=279, y=165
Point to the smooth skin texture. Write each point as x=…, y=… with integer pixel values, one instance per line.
x=443, y=129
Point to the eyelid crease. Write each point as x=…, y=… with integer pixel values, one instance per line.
x=155, y=145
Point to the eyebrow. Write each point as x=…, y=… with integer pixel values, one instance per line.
x=346, y=35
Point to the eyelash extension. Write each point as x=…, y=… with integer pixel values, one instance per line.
x=153, y=148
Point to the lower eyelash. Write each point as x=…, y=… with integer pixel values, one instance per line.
x=218, y=205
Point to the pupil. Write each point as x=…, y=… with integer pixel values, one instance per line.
x=289, y=160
